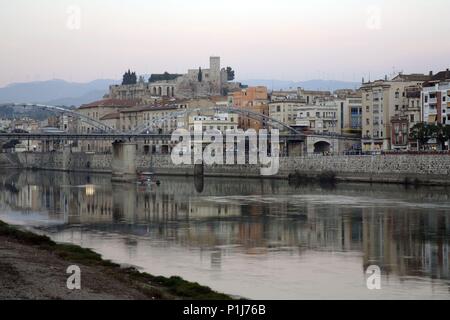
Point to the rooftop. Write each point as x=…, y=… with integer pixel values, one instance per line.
x=412, y=77
x=111, y=116
x=111, y=103
x=438, y=77
x=149, y=108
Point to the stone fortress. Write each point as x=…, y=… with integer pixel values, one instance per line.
x=196, y=83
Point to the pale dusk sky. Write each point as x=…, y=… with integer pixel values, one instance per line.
x=83, y=40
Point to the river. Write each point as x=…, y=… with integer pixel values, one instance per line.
x=259, y=239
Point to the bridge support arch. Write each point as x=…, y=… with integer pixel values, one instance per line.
x=320, y=145
x=124, y=162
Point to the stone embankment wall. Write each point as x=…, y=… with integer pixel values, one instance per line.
x=9, y=160
x=432, y=169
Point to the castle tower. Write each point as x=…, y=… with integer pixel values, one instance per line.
x=214, y=66
x=214, y=73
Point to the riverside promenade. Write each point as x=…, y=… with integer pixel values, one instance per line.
x=427, y=169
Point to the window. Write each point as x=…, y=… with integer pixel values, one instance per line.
x=396, y=107
x=405, y=128
x=367, y=109
x=278, y=109
x=411, y=118
x=397, y=95
x=367, y=121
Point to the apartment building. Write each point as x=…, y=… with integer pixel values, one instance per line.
x=98, y=109
x=249, y=97
x=405, y=118
x=350, y=109
x=285, y=111
x=313, y=96
x=382, y=100
x=254, y=123
x=5, y=124
x=436, y=99
x=218, y=121
x=319, y=119
x=283, y=95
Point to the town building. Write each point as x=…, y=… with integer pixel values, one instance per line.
x=217, y=121
x=285, y=111
x=405, y=119
x=381, y=100
x=5, y=124
x=97, y=110
x=282, y=95
x=112, y=120
x=25, y=124
x=313, y=96
x=252, y=122
x=436, y=99
x=319, y=119
x=349, y=104
x=248, y=97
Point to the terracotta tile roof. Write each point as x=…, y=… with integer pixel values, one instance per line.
x=111, y=103
x=149, y=108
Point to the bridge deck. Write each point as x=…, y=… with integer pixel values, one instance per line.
x=137, y=137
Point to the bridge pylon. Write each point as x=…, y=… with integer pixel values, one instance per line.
x=124, y=162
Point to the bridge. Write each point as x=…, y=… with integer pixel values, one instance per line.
x=292, y=141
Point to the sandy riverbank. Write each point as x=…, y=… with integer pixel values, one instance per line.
x=34, y=267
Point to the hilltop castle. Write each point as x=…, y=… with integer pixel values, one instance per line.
x=196, y=83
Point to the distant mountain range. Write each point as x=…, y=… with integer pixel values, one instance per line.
x=56, y=92
x=60, y=92
x=328, y=85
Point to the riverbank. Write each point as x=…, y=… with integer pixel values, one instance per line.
x=409, y=169
x=34, y=267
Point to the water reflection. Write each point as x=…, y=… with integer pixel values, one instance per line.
x=260, y=239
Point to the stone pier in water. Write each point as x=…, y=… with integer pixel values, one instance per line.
x=123, y=164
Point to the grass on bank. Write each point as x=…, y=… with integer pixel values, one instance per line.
x=154, y=286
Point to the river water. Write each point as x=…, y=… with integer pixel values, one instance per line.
x=259, y=239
